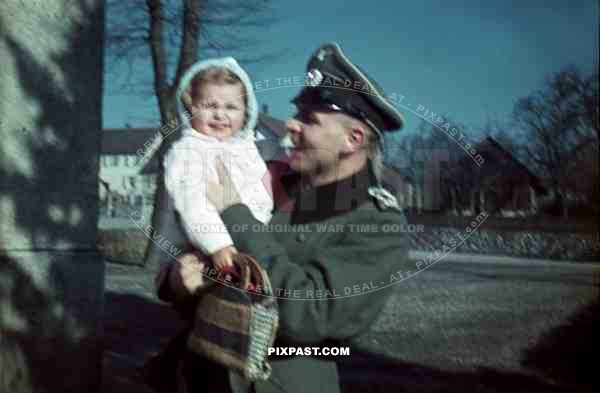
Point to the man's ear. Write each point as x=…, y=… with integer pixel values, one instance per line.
x=355, y=138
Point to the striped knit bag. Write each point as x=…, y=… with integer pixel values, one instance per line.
x=235, y=327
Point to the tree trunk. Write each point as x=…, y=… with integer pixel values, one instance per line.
x=163, y=216
x=167, y=105
x=560, y=203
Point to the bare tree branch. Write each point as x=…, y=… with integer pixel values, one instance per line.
x=157, y=49
x=558, y=125
x=188, y=52
x=171, y=34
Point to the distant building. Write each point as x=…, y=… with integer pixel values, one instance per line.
x=501, y=185
x=122, y=184
x=127, y=184
x=270, y=132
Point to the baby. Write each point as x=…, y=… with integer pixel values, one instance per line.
x=222, y=111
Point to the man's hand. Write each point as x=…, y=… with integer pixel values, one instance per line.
x=186, y=277
x=222, y=195
x=223, y=258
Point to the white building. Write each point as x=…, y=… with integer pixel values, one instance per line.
x=123, y=185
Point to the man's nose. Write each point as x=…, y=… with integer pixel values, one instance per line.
x=293, y=125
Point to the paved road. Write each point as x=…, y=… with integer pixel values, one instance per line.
x=463, y=324
x=486, y=320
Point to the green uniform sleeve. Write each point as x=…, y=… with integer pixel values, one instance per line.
x=357, y=261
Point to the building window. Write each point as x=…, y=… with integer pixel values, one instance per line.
x=115, y=160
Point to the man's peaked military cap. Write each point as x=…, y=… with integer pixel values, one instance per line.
x=334, y=80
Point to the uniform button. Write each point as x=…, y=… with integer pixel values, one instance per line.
x=301, y=237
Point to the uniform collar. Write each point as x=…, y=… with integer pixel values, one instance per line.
x=313, y=204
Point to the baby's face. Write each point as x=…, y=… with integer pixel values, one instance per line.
x=222, y=117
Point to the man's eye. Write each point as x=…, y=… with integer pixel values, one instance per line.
x=306, y=117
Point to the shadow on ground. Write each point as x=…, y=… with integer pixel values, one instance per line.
x=566, y=353
x=562, y=360
x=366, y=373
x=135, y=328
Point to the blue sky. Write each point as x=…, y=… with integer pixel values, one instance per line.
x=469, y=60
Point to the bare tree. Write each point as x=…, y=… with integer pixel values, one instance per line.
x=171, y=34
x=556, y=123
x=503, y=132
x=428, y=158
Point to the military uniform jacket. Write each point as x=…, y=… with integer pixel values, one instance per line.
x=331, y=253
x=329, y=258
